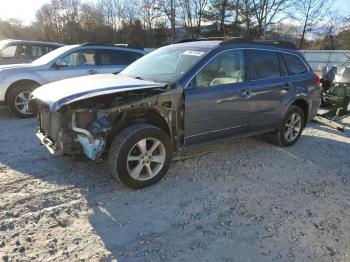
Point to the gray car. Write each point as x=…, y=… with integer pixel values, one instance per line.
x=18, y=81
x=176, y=97
x=23, y=51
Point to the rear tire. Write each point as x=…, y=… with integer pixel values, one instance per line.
x=18, y=98
x=140, y=155
x=291, y=127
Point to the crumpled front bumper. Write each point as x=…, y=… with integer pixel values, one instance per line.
x=53, y=134
x=50, y=133
x=47, y=142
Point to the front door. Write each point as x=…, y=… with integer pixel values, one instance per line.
x=77, y=63
x=218, y=104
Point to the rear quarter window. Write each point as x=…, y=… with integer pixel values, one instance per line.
x=295, y=65
x=9, y=51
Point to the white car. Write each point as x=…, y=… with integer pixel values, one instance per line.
x=18, y=81
x=23, y=51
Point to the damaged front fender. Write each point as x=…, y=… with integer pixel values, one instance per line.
x=159, y=107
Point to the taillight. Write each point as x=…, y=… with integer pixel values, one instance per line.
x=317, y=80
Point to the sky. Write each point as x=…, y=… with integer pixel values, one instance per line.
x=25, y=10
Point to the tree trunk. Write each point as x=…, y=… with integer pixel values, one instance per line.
x=222, y=18
x=305, y=26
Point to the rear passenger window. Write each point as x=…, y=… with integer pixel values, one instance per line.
x=295, y=65
x=37, y=51
x=264, y=65
x=117, y=57
x=40, y=50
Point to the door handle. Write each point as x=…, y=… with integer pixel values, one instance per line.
x=244, y=93
x=92, y=71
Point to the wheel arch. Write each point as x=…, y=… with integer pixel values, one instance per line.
x=304, y=105
x=19, y=83
x=151, y=116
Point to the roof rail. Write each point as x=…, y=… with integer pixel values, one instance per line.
x=129, y=46
x=92, y=43
x=218, y=38
x=113, y=45
x=187, y=40
x=245, y=40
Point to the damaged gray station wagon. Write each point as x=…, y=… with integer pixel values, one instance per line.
x=178, y=96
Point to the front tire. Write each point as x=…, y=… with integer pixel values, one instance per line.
x=18, y=99
x=140, y=155
x=291, y=127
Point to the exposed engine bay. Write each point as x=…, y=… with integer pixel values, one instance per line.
x=89, y=125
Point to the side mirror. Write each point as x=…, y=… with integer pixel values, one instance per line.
x=60, y=64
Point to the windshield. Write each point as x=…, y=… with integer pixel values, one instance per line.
x=52, y=55
x=166, y=64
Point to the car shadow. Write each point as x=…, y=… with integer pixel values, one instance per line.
x=156, y=223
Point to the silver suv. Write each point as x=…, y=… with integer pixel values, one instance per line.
x=18, y=81
x=23, y=51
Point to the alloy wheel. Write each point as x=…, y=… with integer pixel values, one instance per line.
x=22, y=101
x=146, y=159
x=292, y=127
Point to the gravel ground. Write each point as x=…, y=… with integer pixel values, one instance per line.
x=242, y=200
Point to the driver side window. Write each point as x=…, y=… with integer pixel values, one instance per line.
x=82, y=58
x=226, y=68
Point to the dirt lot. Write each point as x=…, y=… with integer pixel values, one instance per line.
x=243, y=200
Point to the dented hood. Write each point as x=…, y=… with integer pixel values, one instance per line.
x=64, y=92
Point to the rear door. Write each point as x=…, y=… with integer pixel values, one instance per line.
x=77, y=63
x=267, y=74
x=218, y=104
x=113, y=61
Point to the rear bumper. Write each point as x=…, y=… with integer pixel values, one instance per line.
x=314, y=109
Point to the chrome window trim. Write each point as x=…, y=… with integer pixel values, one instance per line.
x=250, y=48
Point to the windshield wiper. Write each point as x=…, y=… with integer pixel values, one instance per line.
x=145, y=79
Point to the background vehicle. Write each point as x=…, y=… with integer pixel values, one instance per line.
x=179, y=96
x=336, y=84
x=18, y=81
x=22, y=51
